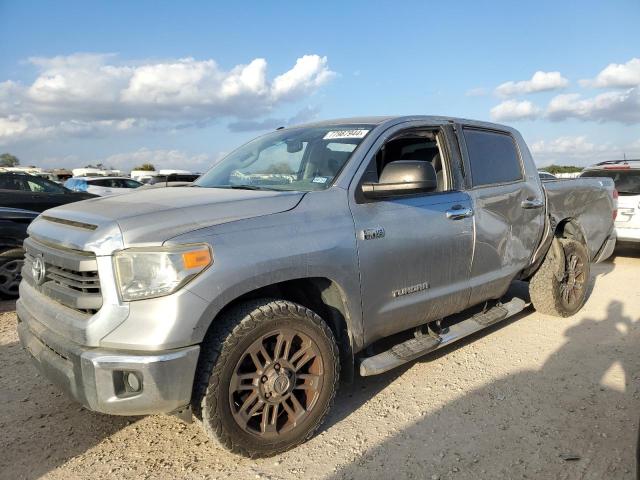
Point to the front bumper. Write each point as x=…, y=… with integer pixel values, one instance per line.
x=100, y=379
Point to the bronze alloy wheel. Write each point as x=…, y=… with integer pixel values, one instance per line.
x=276, y=383
x=266, y=377
x=573, y=284
x=560, y=285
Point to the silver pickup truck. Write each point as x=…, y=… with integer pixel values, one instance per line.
x=309, y=254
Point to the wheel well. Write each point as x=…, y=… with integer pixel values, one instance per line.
x=319, y=294
x=565, y=228
x=570, y=228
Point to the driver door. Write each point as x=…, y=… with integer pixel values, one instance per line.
x=414, y=251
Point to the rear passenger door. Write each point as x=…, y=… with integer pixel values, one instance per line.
x=509, y=210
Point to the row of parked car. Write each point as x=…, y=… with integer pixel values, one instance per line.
x=24, y=196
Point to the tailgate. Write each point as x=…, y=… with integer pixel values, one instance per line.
x=628, y=211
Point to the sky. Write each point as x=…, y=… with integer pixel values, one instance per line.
x=179, y=84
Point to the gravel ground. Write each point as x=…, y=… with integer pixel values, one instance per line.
x=517, y=401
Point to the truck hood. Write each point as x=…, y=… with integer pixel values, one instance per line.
x=153, y=216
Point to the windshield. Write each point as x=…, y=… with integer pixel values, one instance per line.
x=302, y=159
x=627, y=181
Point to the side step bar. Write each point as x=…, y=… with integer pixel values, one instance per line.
x=416, y=347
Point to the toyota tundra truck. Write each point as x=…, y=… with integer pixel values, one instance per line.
x=310, y=254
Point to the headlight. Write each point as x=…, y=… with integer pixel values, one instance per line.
x=157, y=271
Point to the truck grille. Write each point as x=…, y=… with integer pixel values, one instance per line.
x=69, y=277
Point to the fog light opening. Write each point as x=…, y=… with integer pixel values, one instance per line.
x=132, y=382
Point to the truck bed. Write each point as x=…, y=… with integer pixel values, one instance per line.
x=588, y=200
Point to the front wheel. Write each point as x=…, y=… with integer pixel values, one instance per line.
x=11, y=262
x=267, y=377
x=561, y=293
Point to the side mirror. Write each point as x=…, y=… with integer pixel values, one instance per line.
x=403, y=177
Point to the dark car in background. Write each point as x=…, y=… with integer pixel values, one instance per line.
x=13, y=231
x=29, y=192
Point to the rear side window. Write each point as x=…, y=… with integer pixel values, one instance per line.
x=100, y=182
x=493, y=157
x=126, y=183
x=627, y=181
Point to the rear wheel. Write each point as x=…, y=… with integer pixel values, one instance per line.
x=267, y=378
x=11, y=262
x=562, y=293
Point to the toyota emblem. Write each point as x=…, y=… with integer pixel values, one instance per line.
x=38, y=270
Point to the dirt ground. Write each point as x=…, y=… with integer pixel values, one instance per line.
x=511, y=402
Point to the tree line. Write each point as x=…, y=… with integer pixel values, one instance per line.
x=9, y=160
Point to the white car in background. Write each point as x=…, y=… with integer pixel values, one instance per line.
x=102, y=186
x=626, y=176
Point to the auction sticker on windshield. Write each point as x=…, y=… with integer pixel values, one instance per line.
x=334, y=134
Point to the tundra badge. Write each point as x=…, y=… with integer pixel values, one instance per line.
x=412, y=289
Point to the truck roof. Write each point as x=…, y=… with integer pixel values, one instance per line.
x=394, y=119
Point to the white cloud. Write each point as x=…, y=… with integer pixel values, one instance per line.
x=305, y=115
x=514, y=110
x=578, y=150
x=616, y=106
x=567, y=144
x=28, y=127
x=81, y=92
x=617, y=76
x=540, y=82
x=12, y=125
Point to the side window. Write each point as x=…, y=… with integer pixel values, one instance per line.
x=493, y=157
x=13, y=182
x=420, y=145
x=38, y=185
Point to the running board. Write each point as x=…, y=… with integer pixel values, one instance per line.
x=416, y=347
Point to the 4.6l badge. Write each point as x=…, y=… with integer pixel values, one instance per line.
x=372, y=233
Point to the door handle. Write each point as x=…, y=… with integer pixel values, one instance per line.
x=459, y=213
x=532, y=203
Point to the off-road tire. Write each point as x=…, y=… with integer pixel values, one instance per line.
x=227, y=343
x=11, y=262
x=547, y=291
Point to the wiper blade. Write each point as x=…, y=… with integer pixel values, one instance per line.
x=250, y=187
